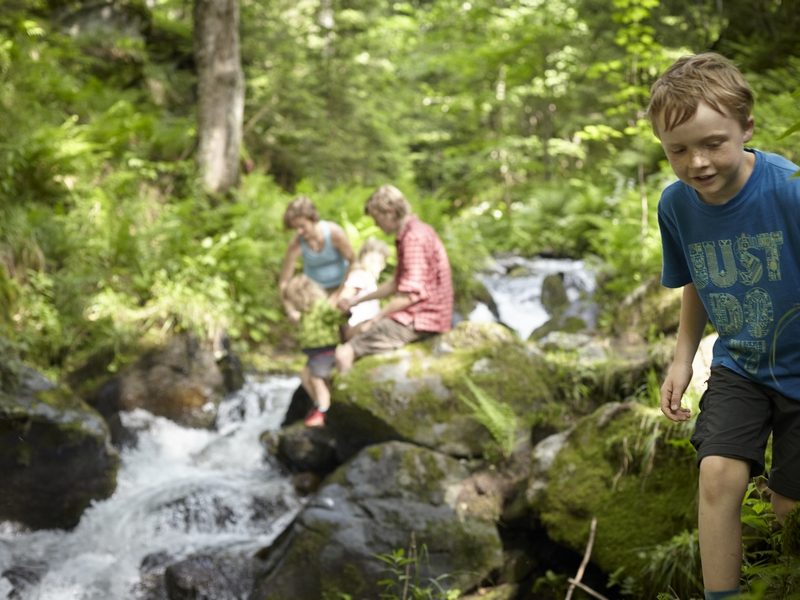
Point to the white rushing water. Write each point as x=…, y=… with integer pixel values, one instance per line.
x=179, y=490
x=515, y=285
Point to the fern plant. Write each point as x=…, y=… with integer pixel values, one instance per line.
x=498, y=418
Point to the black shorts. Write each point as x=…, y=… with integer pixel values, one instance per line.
x=321, y=361
x=736, y=418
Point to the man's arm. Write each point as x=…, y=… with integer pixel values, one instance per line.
x=693, y=320
x=387, y=288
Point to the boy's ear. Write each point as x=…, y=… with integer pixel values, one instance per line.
x=749, y=130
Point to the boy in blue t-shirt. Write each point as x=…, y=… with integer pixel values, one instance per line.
x=730, y=232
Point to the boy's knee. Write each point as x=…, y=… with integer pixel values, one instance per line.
x=782, y=506
x=720, y=475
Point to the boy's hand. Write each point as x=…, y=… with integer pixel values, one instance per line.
x=675, y=384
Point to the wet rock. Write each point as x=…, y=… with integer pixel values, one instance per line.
x=390, y=497
x=55, y=454
x=181, y=381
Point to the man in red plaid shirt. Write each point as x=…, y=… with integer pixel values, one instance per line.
x=421, y=291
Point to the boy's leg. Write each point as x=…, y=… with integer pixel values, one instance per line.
x=723, y=482
x=305, y=381
x=322, y=395
x=782, y=506
x=784, y=479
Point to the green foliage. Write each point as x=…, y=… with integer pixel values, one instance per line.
x=512, y=126
x=498, y=418
x=673, y=566
x=403, y=580
x=770, y=569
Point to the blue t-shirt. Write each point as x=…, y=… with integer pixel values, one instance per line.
x=327, y=267
x=744, y=259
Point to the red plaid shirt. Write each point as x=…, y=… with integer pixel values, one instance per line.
x=423, y=273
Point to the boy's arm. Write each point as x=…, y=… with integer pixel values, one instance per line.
x=693, y=320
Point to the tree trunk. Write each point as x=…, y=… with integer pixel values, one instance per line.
x=220, y=90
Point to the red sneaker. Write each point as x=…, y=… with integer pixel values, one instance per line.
x=315, y=419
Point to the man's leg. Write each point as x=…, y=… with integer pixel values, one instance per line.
x=723, y=482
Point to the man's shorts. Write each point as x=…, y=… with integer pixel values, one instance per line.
x=384, y=336
x=321, y=361
x=736, y=418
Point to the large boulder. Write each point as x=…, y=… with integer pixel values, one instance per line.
x=618, y=465
x=180, y=380
x=424, y=392
x=392, y=499
x=420, y=393
x=55, y=454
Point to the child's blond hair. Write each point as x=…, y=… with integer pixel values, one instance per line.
x=302, y=293
x=373, y=246
x=708, y=77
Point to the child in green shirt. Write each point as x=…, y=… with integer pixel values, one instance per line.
x=318, y=333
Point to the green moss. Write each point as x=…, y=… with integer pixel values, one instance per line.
x=603, y=472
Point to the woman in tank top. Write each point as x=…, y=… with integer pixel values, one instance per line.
x=323, y=246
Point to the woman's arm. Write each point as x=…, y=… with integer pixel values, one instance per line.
x=289, y=262
x=340, y=241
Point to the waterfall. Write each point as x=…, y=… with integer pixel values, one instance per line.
x=515, y=285
x=179, y=491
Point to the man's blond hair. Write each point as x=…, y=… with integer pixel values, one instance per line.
x=707, y=77
x=387, y=199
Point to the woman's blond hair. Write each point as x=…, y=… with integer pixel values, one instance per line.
x=302, y=293
x=708, y=77
x=300, y=207
x=387, y=199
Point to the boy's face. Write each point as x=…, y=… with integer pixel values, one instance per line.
x=386, y=220
x=707, y=153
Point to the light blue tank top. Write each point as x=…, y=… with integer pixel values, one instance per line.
x=327, y=267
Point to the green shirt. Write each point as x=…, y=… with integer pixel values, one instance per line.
x=319, y=327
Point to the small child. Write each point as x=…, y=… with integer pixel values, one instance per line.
x=318, y=334
x=363, y=279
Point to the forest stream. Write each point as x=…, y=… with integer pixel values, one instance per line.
x=180, y=490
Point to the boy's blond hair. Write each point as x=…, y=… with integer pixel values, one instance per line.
x=302, y=293
x=387, y=199
x=300, y=207
x=707, y=77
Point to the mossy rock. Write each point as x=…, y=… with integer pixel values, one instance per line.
x=390, y=498
x=633, y=471
x=417, y=393
x=55, y=455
